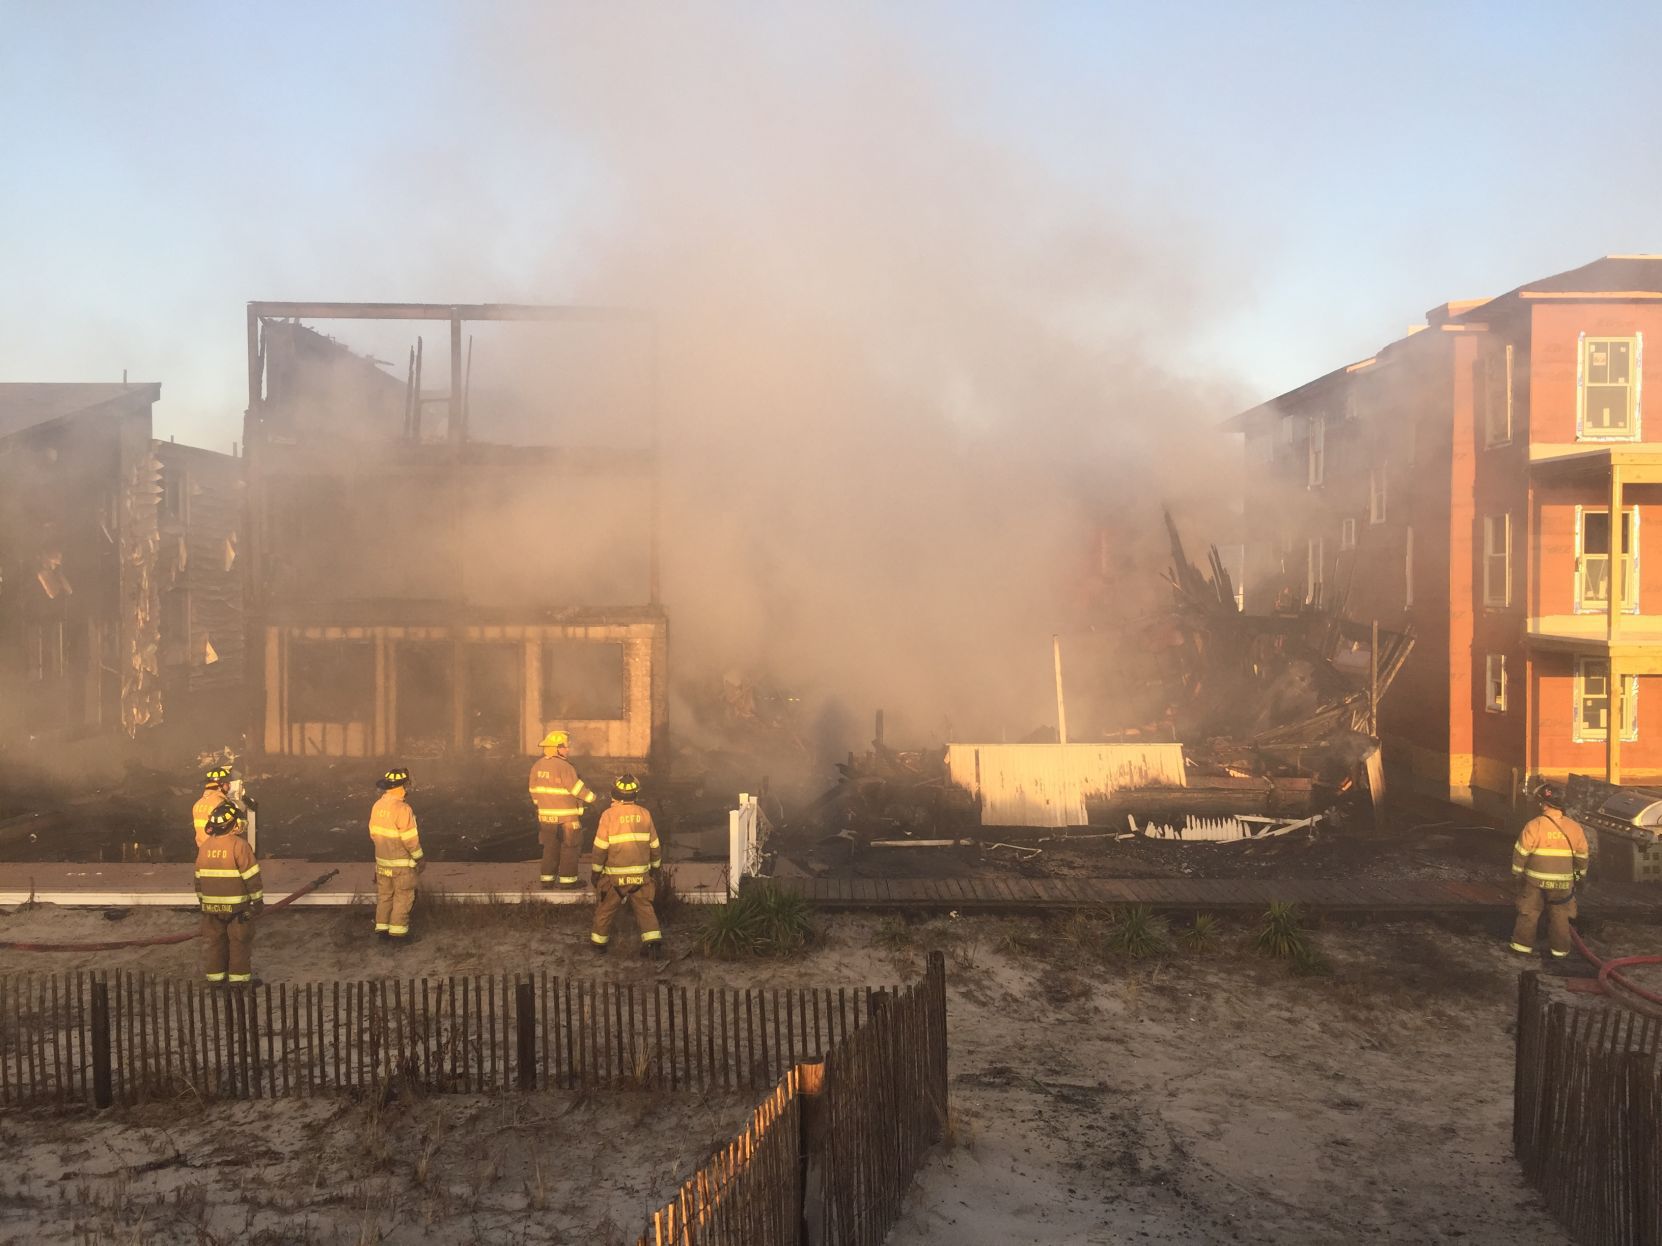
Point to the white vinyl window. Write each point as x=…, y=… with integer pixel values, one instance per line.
x=1313, y=571
x=1316, y=464
x=1592, y=560
x=1494, y=683
x=1497, y=560
x=1495, y=389
x=1376, y=494
x=1607, y=388
x=1592, y=702
x=1289, y=429
x=1347, y=532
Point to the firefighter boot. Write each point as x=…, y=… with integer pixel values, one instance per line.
x=653, y=950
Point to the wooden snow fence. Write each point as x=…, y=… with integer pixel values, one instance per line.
x=828, y=1156
x=103, y=1038
x=1587, y=1105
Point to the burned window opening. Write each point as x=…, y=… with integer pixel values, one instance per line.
x=331, y=681
x=583, y=679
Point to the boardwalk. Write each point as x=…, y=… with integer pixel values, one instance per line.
x=1408, y=895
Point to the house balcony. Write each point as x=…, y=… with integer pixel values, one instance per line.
x=1633, y=644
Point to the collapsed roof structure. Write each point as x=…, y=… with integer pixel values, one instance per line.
x=432, y=579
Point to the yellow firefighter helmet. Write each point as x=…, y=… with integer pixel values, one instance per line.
x=557, y=739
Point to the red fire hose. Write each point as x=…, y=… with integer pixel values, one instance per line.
x=155, y=940
x=1610, y=970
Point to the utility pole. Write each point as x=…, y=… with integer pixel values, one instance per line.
x=1061, y=707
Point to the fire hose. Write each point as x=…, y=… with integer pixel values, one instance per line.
x=156, y=940
x=1610, y=971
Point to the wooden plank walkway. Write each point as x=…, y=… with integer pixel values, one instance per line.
x=1359, y=895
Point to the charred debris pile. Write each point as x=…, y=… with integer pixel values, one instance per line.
x=1275, y=716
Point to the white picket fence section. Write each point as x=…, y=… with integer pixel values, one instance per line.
x=747, y=830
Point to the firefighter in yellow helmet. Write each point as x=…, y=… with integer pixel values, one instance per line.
x=229, y=889
x=560, y=797
x=398, y=856
x=1548, y=860
x=216, y=790
x=627, y=859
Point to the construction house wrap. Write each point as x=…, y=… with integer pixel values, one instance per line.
x=1047, y=784
x=423, y=588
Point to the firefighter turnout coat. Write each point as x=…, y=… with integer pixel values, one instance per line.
x=1551, y=851
x=393, y=831
x=210, y=800
x=227, y=876
x=626, y=844
x=558, y=792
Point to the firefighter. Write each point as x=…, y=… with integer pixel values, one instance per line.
x=398, y=858
x=1548, y=860
x=560, y=797
x=229, y=890
x=216, y=790
x=627, y=860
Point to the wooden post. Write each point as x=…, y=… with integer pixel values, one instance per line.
x=526, y=1017
x=1061, y=707
x=1617, y=576
x=458, y=420
x=1613, y=718
x=1373, y=683
x=101, y=1096
x=935, y=978
x=810, y=1180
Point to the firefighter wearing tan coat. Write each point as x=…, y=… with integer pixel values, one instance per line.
x=1548, y=860
x=560, y=796
x=229, y=889
x=216, y=790
x=627, y=858
x=398, y=856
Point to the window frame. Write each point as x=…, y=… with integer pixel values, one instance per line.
x=1497, y=433
x=1347, y=533
x=1502, y=524
x=1636, y=359
x=1315, y=453
x=1627, y=705
x=1315, y=566
x=1378, y=508
x=1577, y=602
x=1494, y=683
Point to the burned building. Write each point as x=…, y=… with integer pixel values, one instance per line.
x=434, y=576
x=1461, y=482
x=101, y=561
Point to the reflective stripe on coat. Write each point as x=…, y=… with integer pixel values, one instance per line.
x=626, y=843
x=1551, y=851
x=557, y=790
x=227, y=876
x=393, y=832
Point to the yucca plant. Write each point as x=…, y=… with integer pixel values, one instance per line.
x=1138, y=932
x=1283, y=935
x=1200, y=935
x=783, y=918
x=729, y=930
x=761, y=921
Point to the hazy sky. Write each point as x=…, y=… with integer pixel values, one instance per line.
x=1334, y=168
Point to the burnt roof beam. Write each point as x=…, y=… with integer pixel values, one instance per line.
x=448, y=311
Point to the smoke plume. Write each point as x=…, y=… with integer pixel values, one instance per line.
x=908, y=372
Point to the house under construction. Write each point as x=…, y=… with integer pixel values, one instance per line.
x=431, y=578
